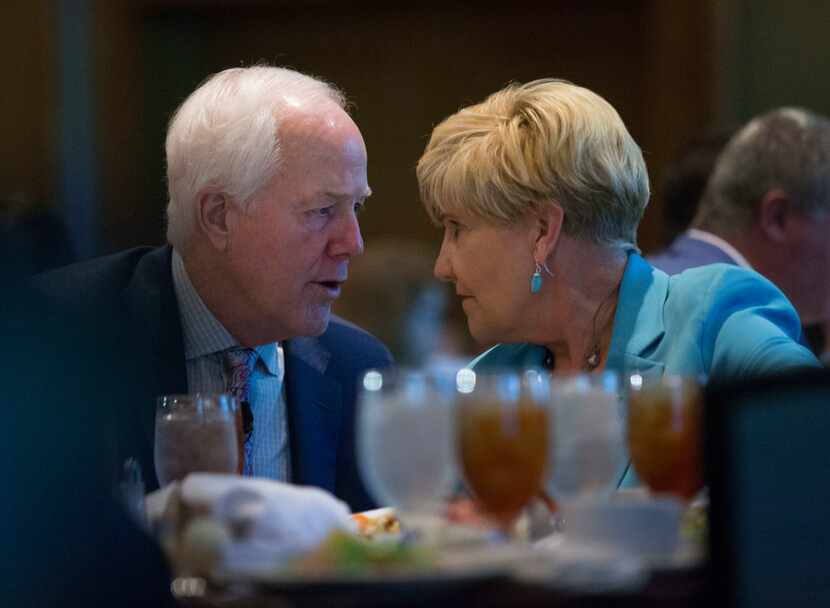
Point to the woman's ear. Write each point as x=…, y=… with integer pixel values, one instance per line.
x=548, y=227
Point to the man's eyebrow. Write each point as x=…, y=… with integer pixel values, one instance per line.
x=341, y=195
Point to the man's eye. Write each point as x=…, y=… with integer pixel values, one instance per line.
x=359, y=206
x=322, y=211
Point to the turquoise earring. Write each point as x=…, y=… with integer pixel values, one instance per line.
x=536, y=280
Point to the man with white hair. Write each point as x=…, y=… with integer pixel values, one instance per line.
x=266, y=175
x=767, y=207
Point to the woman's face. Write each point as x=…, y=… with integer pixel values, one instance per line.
x=490, y=266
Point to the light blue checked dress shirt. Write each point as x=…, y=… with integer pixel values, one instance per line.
x=205, y=339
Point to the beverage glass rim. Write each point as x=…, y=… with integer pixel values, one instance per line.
x=637, y=382
x=166, y=402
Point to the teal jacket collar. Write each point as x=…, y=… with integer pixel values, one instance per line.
x=638, y=321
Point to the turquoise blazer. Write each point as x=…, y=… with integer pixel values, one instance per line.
x=719, y=321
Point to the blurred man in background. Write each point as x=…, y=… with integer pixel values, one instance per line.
x=767, y=207
x=266, y=175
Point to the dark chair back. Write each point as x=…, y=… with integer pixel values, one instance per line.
x=768, y=467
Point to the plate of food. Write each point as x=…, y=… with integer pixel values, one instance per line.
x=378, y=524
x=378, y=557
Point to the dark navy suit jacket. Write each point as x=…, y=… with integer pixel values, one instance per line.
x=132, y=295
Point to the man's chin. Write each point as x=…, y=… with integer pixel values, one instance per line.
x=317, y=324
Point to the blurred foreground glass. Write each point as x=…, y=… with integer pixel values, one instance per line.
x=664, y=434
x=588, y=456
x=503, y=439
x=195, y=433
x=405, y=438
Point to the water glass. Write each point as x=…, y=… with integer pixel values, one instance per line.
x=195, y=433
x=587, y=458
x=405, y=439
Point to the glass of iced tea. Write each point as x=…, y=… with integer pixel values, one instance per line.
x=664, y=434
x=195, y=433
x=502, y=426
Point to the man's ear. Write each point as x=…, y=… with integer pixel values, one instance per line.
x=774, y=214
x=214, y=218
x=546, y=231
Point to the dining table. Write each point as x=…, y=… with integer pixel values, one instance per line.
x=674, y=588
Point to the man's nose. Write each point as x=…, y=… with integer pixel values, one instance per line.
x=349, y=240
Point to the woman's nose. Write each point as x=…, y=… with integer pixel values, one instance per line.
x=443, y=267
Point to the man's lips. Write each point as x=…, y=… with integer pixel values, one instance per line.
x=332, y=286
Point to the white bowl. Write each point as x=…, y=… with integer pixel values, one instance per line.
x=638, y=526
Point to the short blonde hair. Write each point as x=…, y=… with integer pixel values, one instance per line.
x=529, y=145
x=226, y=135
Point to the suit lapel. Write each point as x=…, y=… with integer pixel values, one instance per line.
x=314, y=413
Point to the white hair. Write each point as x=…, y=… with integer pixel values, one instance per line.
x=224, y=137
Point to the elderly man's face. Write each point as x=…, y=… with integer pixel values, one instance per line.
x=289, y=255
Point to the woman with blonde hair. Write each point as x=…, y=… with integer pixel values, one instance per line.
x=540, y=190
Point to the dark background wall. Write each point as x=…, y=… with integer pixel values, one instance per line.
x=772, y=54
x=100, y=79
x=90, y=84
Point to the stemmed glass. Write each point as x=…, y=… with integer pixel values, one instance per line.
x=503, y=439
x=405, y=447
x=195, y=433
x=664, y=434
x=588, y=455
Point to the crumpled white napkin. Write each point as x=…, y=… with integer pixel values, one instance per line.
x=270, y=521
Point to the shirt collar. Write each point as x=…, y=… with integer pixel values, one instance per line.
x=715, y=241
x=203, y=333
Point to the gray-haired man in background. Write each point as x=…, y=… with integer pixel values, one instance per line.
x=767, y=206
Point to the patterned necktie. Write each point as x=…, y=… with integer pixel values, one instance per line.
x=239, y=363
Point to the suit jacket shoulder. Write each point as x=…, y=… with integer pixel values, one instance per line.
x=103, y=277
x=353, y=346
